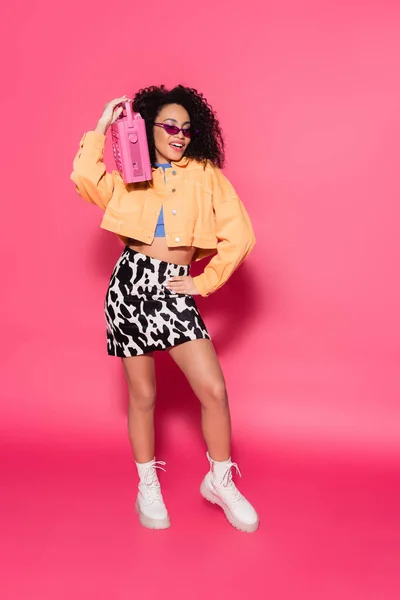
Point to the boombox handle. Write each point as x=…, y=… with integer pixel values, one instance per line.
x=130, y=114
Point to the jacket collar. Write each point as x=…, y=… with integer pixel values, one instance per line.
x=181, y=163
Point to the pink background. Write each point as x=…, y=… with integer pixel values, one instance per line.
x=307, y=331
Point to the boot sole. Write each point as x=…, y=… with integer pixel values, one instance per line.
x=150, y=523
x=235, y=522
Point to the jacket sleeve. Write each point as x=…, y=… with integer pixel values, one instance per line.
x=90, y=176
x=235, y=236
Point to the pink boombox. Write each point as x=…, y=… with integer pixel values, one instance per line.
x=130, y=148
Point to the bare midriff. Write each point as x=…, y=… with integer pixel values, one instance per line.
x=182, y=255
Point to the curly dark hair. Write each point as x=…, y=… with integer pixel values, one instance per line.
x=206, y=145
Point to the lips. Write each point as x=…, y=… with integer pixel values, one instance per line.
x=177, y=146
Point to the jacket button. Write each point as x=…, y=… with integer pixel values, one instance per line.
x=173, y=191
x=177, y=239
x=174, y=212
x=173, y=172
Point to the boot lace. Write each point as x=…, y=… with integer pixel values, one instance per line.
x=150, y=480
x=229, y=484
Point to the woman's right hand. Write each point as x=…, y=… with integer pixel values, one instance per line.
x=112, y=111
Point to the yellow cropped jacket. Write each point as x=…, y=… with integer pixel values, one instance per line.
x=201, y=209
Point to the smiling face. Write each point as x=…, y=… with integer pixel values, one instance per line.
x=171, y=147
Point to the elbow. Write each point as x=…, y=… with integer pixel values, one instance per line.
x=249, y=243
x=79, y=185
x=252, y=241
x=86, y=190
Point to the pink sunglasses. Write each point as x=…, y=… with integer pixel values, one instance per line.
x=174, y=129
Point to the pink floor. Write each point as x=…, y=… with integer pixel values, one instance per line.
x=330, y=528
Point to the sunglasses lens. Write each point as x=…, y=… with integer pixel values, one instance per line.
x=171, y=129
x=186, y=132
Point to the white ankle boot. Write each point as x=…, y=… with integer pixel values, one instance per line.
x=218, y=488
x=149, y=503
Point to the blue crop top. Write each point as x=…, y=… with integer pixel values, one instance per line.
x=160, y=229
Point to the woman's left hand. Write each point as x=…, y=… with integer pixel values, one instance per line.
x=182, y=285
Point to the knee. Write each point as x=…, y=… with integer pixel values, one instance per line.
x=142, y=398
x=214, y=394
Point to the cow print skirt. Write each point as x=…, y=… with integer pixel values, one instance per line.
x=141, y=314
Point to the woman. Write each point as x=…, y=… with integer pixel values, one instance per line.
x=188, y=211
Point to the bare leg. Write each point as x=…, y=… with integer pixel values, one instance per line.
x=140, y=375
x=199, y=363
